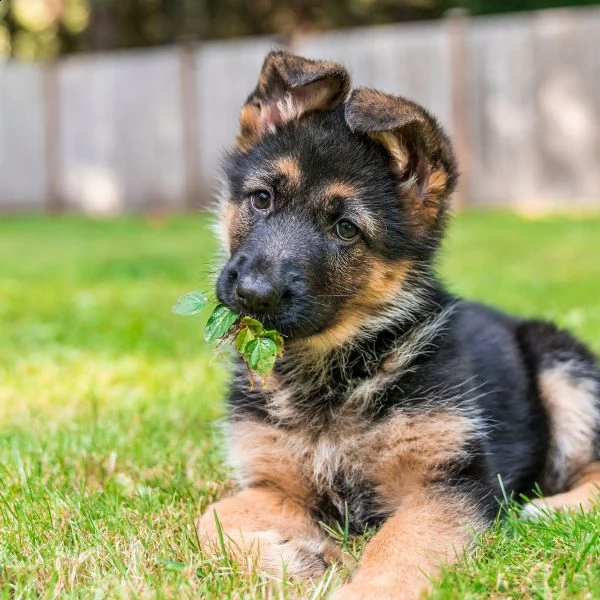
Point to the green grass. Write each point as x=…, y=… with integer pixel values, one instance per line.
x=108, y=404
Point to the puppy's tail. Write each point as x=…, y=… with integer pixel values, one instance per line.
x=568, y=384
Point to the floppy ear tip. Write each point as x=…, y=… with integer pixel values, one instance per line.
x=298, y=71
x=358, y=111
x=351, y=117
x=272, y=62
x=343, y=77
x=275, y=55
x=371, y=111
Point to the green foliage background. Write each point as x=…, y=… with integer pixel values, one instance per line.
x=34, y=29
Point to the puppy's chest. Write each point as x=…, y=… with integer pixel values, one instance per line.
x=366, y=469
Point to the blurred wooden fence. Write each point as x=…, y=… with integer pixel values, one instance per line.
x=131, y=131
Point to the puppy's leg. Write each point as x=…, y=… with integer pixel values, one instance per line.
x=262, y=524
x=409, y=549
x=569, y=390
x=582, y=495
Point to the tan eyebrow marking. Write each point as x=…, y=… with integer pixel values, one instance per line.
x=289, y=167
x=340, y=189
x=349, y=192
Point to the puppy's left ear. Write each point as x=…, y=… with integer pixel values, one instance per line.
x=420, y=153
x=289, y=87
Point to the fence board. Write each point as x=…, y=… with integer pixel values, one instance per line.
x=23, y=177
x=147, y=129
x=502, y=115
x=226, y=73
x=122, y=132
x=567, y=79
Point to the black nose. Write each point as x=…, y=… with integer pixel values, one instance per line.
x=258, y=294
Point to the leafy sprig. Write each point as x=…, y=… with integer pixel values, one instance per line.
x=258, y=346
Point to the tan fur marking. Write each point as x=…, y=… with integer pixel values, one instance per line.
x=571, y=405
x=295, y=467
x=249, y=118
x=226, y=220
x=422, y=207
x=391, y=142
x=289, y=167
x=263, y=525
x=340, y=189
x=381, y=286
x=250, y=127
x=289, y=108
x=317, y=97
x=428, y=531
x=423, y=202
x=422, y=445
x=236, y=224
x=350, y=321
x=432, y=196
x=399, y=456
x=583, y=495
x=436, y=183
x=259, y=454
x=385, y=280
x=591, y=473
x=367, y=222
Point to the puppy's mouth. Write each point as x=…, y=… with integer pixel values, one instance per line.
x=291, y=318
x=290, y=326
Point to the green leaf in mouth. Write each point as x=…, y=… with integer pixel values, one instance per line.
x=261, y=354
x=243, y=338
x=190, y=304
x=259, y=347
x=256, y=327
x=277, y=338
x=219, y=323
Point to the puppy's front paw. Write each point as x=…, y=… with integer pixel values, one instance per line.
x=537, y=510
x=381, y=586
x=255, y=539
x=299, y=558
x=367, y=591
x=270, y=551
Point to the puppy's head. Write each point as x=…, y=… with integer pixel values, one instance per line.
x=332, y=200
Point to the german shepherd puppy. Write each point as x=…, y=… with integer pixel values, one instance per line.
x=395, y=403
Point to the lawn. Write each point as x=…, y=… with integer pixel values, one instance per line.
x=108, y=404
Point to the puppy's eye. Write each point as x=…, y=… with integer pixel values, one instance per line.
x=261, y=200
x=346, y=230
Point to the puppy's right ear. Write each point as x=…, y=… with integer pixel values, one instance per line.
x=420, y=153
x=289, y=87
